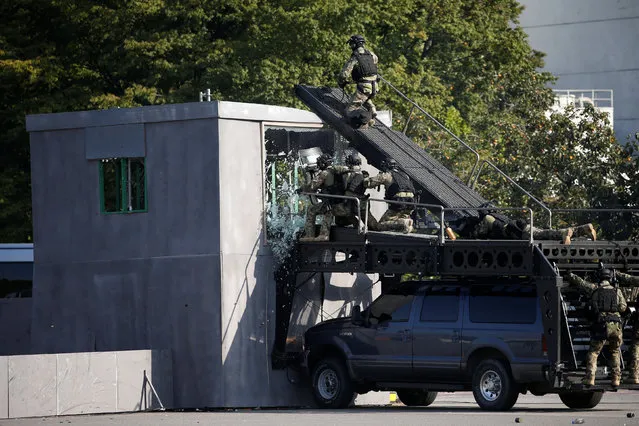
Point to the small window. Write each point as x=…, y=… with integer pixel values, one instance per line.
x=391, y=307
x=122, y=185
x=503, y=305
x=440, y=306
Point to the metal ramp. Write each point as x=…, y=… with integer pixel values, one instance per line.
x=438, y=184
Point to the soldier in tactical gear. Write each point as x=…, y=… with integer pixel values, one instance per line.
x=361, y=68
x=629, y=286
x=327, y=181
x=607, y=304
x=353, y=177
x=499, y=226
x=398, y=187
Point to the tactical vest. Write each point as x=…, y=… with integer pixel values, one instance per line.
x=401, y=183
x=604, y=300
x=365, y=67
x=336, y=187
x=354, y=183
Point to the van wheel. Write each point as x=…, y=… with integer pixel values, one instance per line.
x=416, y=397
x=493, y=387
x=581, y=399
x=332, y=387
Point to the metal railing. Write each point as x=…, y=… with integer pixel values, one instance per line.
x=409, y=203
x=475, y=172
x=444, y=128
x=509, y=179
x=599, y=98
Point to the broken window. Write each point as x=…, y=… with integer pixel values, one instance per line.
x=123, y=185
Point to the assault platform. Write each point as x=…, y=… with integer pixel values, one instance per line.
x=392, y=254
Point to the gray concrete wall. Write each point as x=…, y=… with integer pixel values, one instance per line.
x=132, y=281
x=15, y=326
x=80, y=383
x=590, y=44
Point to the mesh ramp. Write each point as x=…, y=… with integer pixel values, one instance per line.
x=438, y=184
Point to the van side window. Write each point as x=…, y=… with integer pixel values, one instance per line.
x=391, y=307
x=440, y=306
x=503, y=305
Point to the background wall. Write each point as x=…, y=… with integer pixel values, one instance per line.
x=590, y=44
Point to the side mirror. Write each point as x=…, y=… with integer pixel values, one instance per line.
x=356, y=315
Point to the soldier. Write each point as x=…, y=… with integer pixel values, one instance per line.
x=353, y=177
x=361, y=68
x=500, y=226
x=629, y=286
x=329, y=182
x=398, y=188
x=607, y=304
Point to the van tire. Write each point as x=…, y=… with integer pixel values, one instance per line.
x=493, y=386
x=416, y=397
x=581, y=400
x=332, y=386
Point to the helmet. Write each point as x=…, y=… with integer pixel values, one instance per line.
x=356, y=41
x=388, y=164
x=352, y=159
x=605, y=274
x=324, y=161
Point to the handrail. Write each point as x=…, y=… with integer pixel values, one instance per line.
x=532, y=197
x=412, y=203
x=477, y=157
x=343, y=197
x=530, y=212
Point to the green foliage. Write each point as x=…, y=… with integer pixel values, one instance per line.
x=466, y=62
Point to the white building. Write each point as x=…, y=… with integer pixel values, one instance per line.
x=590, y=44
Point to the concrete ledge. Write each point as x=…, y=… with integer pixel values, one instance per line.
x=84, y=382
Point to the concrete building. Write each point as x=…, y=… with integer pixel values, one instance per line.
x=590, y=45
x=150, y=230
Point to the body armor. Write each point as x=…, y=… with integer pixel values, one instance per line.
x=366, y=67
x=401, y=183
x=604, y=301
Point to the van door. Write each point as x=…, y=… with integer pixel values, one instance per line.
x=382, y=350
x=437, y=335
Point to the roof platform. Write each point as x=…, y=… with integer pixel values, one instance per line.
x=438, y=184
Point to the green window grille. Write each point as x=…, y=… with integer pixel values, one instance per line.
x=123, y=185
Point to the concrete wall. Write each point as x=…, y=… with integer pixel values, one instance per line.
x=590, y=44
x=132, y=281
x=81, y=383
x=192, y=274
x=15, y=326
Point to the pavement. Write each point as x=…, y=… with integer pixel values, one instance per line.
x=449, y=409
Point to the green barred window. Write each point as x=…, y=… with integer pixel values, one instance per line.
x=122, y=185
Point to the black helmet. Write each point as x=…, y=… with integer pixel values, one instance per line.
x=388, y=164
x=356, y=41
x=324, y=160
x=605, y=274
x=352, y=159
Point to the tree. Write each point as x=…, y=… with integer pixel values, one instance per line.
x=467, y=62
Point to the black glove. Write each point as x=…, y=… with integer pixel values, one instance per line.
x=341, y=84
x=298, y=190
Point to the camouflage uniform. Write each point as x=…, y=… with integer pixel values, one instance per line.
x=322, y=179
x=367, y=87
x=606, y=328
x=487, y=228
x=347, y=209
x=398, y=216
x=629, y=286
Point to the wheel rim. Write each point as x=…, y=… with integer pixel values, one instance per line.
x=490, y=385
x=328, y=384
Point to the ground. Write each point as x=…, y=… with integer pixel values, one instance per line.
x=449, y=409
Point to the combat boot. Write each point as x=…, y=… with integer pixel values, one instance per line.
x=321, y=237
x=566, y=236
x=588, y=380
x=587, y=231
x=450, y=233
x=615, y=381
